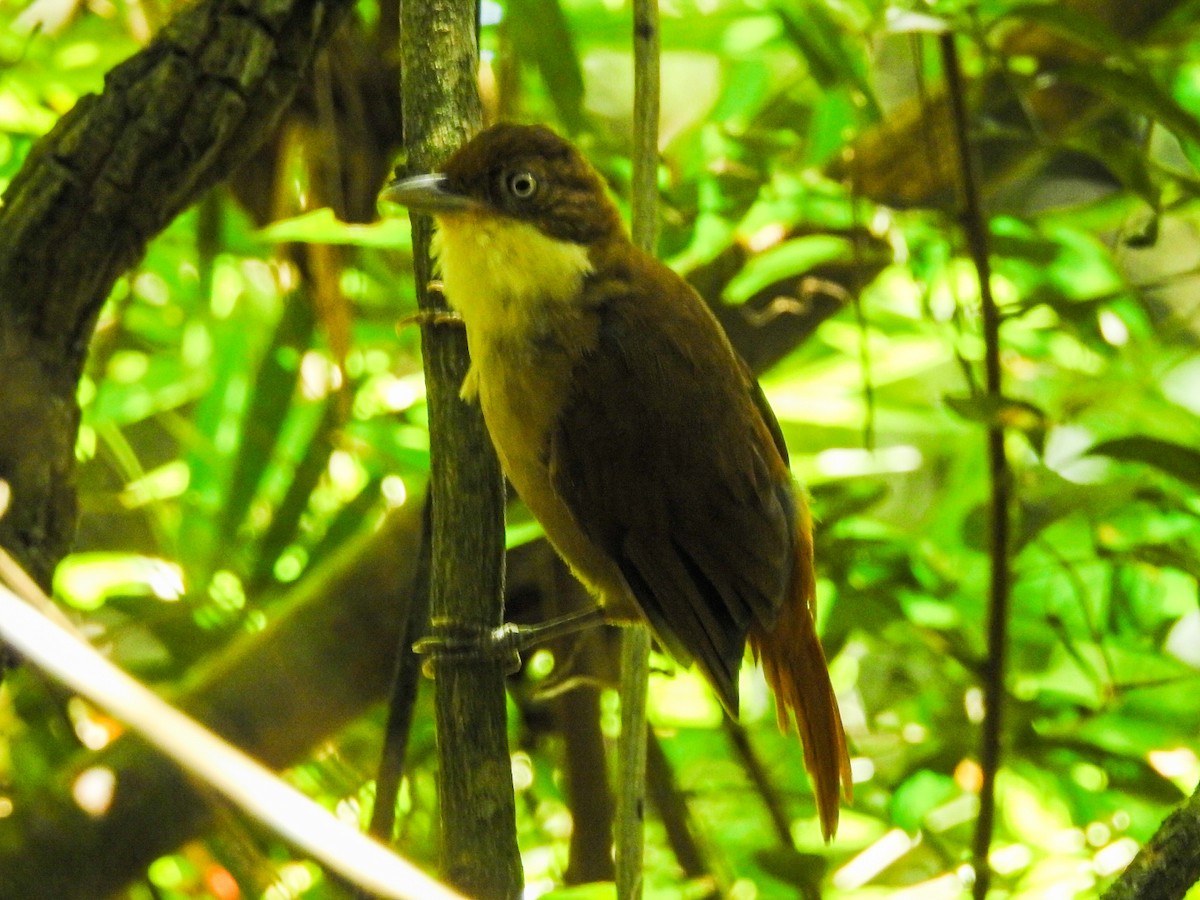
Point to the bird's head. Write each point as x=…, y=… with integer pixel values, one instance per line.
x=521, y=215
x=524, y=173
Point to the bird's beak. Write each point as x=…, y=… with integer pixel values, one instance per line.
x=426, y=194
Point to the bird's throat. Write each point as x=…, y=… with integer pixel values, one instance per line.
x=504, y=276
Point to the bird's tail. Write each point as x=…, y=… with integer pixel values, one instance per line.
x=795, y=668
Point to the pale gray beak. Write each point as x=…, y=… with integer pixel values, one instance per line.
x=426, y=194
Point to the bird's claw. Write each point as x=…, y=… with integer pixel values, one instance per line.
x=452, y=641
x=428, y=317
x=456, y=643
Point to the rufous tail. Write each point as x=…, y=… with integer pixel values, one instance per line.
x=795, y=668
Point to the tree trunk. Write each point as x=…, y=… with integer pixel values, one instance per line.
x=173, y=120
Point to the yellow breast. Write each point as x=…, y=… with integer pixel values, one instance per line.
x=504, y=276
x=520, y=295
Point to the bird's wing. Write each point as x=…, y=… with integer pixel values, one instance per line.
x=665, y=453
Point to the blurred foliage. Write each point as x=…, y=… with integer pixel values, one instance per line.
x=236, y=433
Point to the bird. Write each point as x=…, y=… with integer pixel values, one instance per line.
x=630, y=427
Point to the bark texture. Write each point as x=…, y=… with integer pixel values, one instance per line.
x=441, y=105
x=172, y=121
x=1168, y=865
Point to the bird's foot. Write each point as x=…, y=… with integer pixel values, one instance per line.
x=423, y=317
x=453, y=642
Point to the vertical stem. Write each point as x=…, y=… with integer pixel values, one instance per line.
x=403, y=692
x=645, y=123
x=439, y=59
x=635, y=642
x=631, y=761
x=993, y=669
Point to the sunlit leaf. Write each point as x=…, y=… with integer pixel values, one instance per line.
x=1031, y=808
x=88, y=580
x=907, y=21
x=920, y=793
x=519, y=533
x=790, y=259
x=599, y=890
x=321, y=227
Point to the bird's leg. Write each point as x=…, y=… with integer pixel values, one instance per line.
x=525, y=636
x=505, y=642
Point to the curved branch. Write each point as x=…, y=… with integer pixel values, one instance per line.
x=172, y=121
x=1169, y=864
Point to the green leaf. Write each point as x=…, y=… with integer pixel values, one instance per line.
x=321, y=227
x=1179, y=555
x=802, y=870
x=1173, y=459
x=918, y=795
x=523, y=532
x=23, y=116
x=790, y=259
x=596, y=890
x=266, y=410
x=285, y=519
x=347, y=523
x=904, y=21
x=1030, y=806
x=821, y=41
x=87, y=580
x=1029, y=248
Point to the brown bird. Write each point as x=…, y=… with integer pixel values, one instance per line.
x=630, y=427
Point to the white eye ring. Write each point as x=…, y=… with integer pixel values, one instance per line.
x=522, y=185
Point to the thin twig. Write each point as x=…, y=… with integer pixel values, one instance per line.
x=635, y=642
x=72, y=662
x=403, y=696
x=993, y=669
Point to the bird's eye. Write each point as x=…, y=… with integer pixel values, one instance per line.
x=522, y=185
